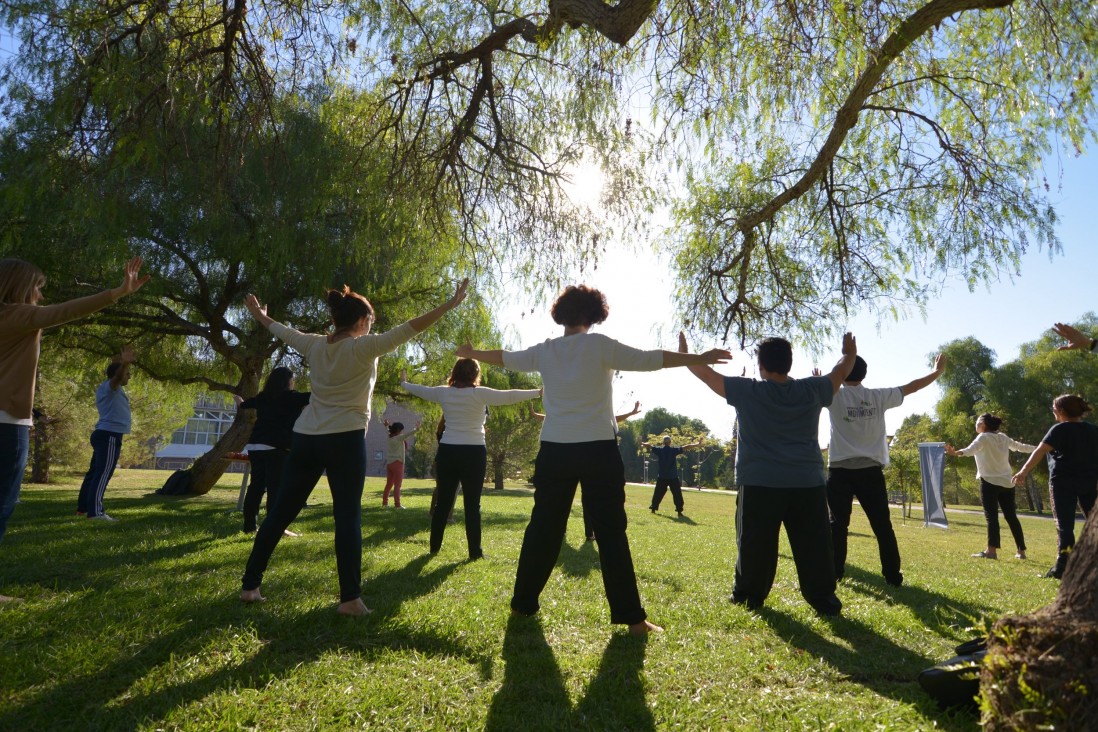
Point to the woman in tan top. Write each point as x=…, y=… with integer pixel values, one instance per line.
x=330, y=434
x=21, y=322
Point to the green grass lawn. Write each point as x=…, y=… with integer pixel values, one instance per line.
x=137, y=625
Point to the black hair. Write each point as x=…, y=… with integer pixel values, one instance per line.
x=991, y=422
x=580, y=305
x=776, y=355
x=396, y=428
x=112, y=368
x=278, y=380
x=858, y=372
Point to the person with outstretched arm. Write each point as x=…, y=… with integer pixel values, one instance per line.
x=330, y=434
x=22, y=320
x=780, y=469
x=579, y=447
x=856, y=458
x=667, y=474
x=115, y=421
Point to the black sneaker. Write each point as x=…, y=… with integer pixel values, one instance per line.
x=1054, y=573
x=895, y=580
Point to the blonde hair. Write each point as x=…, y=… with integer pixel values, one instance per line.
x=18, y=279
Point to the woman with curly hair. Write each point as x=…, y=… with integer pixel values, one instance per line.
x=578, y=447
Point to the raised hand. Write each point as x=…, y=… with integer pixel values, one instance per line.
x=850, y=345
x=256, y=308
x=1076, y=339
x=940, y=363
x=717, y=355
x=683, y=348
x=459, y=294
x=126, y=355
x=132, y=281
x=465, y=350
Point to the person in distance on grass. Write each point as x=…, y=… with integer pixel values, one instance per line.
x=106, y=440
x=21, y=322
x=780, y=469
x=667, y=474
x=330, y=434
x=588, y=532
x=277, y=407
x=396, y=449
x=462, y=456
x=991, y=448
x=579, y=446
x=857, y=456
x=1072, y=449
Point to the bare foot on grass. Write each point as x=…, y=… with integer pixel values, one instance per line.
x=644, y=628
x=353, y=608
x=252, y=596
x=6, y=598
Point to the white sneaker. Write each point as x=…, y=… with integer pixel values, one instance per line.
x=102, y=517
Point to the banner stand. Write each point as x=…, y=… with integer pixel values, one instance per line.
x=932, y=468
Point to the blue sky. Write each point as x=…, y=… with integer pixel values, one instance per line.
x=1002, y=315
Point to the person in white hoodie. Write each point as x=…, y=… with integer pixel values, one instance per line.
x=991, y=448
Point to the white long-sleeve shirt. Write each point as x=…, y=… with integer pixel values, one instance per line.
x=463, y=408
x=341, y=376
x=992, y=453
x=578, y=373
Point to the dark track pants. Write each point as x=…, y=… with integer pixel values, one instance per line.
x=343, y=456
x=662, y=485
x=1065, y=493
x=462, y=465
x=760, y=513
x=106, y=447
x=597, y=468
x=868, y=486
x=993, y=497
x=266, y=477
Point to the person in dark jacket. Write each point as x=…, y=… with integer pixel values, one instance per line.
x=277, y=407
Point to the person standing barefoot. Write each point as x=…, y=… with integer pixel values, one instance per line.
x=330, y=434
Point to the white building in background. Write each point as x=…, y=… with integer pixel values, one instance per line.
x=213, y=415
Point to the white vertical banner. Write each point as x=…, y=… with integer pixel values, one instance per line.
x=932, y=467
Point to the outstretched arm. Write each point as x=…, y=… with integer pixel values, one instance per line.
x=1076, y=339
x=494, y=357
x=925, y=381
x=705, y=374
x=846, y=363
x=1035, y=457
x=425, y=321
x=672, y=359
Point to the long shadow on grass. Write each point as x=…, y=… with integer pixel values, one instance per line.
x=615, y=697
x=532, y=696
x=945, y=615
x=136, y=689
x=869, y=659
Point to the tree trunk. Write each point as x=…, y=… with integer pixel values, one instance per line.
x=1041, y=671
x=497, y=473
x=40, y=462
x=209, y=468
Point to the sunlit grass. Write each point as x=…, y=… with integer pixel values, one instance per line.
x=136, y=624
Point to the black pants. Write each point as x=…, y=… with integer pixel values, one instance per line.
x=1065, y=493
x=868, y=486
x=265, y=477
x=760, y=513
x=343, y=456
x=662, y=484
x=459, y=465
x=106, y=447
x=597, y=468
x=993, y=497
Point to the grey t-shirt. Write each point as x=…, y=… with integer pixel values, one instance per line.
x=779, y=430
